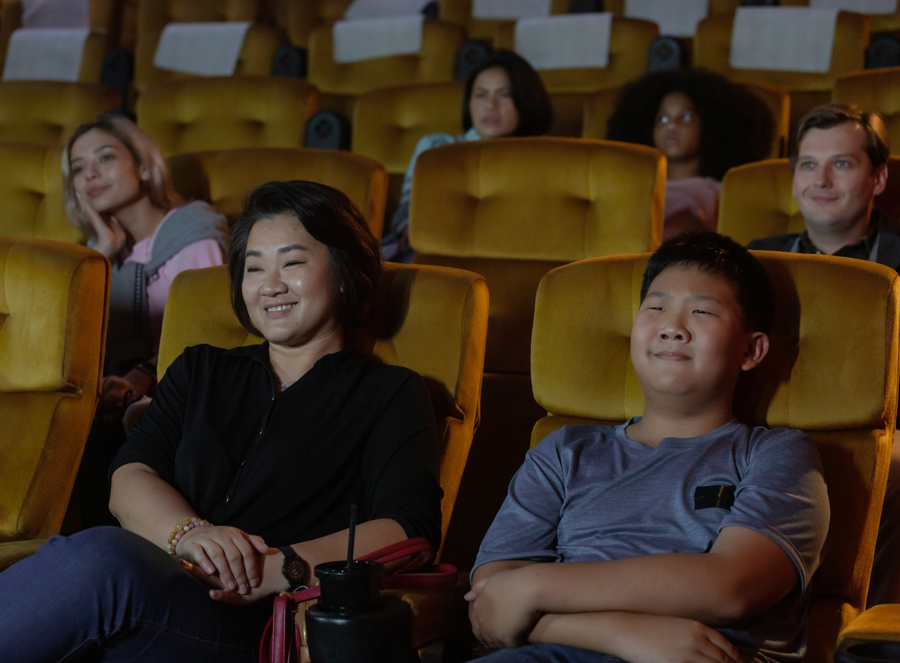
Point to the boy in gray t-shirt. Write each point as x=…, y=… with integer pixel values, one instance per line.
x=687, y=535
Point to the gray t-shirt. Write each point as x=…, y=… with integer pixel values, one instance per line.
x=591, y=493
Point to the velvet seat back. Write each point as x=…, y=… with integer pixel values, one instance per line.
x=31, y=190
x=836, y=381
x=342, y=83
x=757, y=200
x=255, y=57
x=629, y=46
x=712, y=49
x=225, y=177
x=430, y=320
x=224, y=113
x=48, y=112
x=53, y=302
x=388, y=123
x=876, y=90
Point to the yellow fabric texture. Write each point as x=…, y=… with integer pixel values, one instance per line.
x=53, y=301
x=629, y=44
x=298, y=19
x=581, y=371
x=341, y=84
x=256, y=53
x=431, y=320
x=757, y=201
x=599, y=106
x=223, y=113
x=225, y=177
x=31, y=191
x=460, y=12
x=48, y=112
x=877, y=90
x=881, y=622
x=388, y=123
x=712, y=48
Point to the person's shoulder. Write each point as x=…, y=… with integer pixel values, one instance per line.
x=780, y=441
x=573, y=439
x=433, y=140
x=777, y=243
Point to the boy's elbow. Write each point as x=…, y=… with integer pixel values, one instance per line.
x=740, y=602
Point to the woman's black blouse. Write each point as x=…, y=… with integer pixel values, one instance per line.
x=288, y=468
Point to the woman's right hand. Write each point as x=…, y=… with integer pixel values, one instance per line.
x=234, y=557
x=110, y=235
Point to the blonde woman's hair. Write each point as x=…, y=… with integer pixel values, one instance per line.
x=144, y=151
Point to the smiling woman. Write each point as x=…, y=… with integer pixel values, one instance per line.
x=119, y=193
x=239, y=477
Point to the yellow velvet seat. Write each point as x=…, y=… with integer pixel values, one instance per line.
x=582, y=373
x=256, y=54
x=757, y=201
x=223, y=178
x=512, y=209
x=629, y=44
x=875, y=90
x=53, y=301
x=342, y=83
x=460, y=12
x=48, y=112
x=599, y=106
x=430, y=320
x=299, y=19
x=227, y=112
x=31, y=191
x=712, y=49
x=388, y=123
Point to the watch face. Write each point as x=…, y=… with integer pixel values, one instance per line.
x=294, y=568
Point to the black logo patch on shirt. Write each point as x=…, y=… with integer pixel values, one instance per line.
x=713, y=497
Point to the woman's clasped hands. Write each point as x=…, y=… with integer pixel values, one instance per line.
x=230, y=561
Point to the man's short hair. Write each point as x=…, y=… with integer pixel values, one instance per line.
x=877, y=144
x=716, y=254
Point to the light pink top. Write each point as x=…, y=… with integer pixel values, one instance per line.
x=698, y=195
x=204, y=253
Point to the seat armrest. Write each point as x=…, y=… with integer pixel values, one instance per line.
x=873, y=636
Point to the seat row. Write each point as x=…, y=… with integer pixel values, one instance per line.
x=51, y=351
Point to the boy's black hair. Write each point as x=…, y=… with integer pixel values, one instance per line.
x=716, y=254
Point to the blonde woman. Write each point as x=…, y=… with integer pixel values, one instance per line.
x=119, y=193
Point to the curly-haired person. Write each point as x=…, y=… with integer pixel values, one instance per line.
x=704, y=124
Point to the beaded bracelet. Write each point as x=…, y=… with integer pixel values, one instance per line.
x=183, y=528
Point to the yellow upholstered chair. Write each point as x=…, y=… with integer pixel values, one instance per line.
x=712, y=49
x=256, y=53
x=512, y=209
x=299, y=19
x=756, y=200
x=31, y=191
x=341, y=84
x=223, y=178
x=48, y=112
x=617, y=7
x=582, y=373
x=53, y=301
x=431, y=320
x=629, y=44
x=388, y=123
x=599, y=106
x=221, y=113
x=460, y=12
x=873, y=90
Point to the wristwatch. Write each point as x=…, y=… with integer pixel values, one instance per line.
x=293, y=569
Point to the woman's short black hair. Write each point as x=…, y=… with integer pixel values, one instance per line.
x=736, y=126
x=716, y=254
x=331, y=218
x=528, y=92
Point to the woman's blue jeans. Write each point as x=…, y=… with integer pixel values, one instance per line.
x=106, y=594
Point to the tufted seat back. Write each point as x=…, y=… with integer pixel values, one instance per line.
x=220, y=113
x=53, y=301
x=48, y=112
